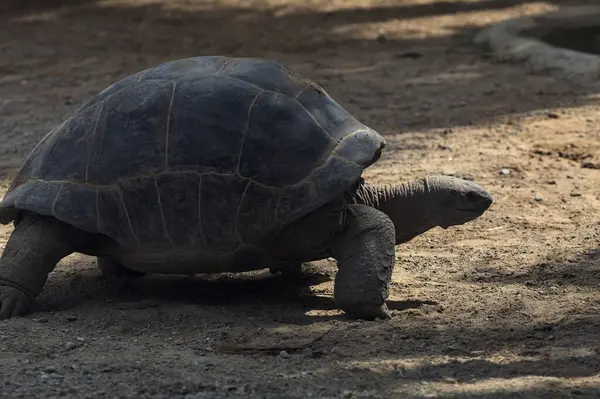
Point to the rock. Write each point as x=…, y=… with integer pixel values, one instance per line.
x=591, y=165
x=538, y=198
x=70, y=345
x=284, y=354
x=71, y=317
x=123, y=389
x=449, y=173
x=505, y=171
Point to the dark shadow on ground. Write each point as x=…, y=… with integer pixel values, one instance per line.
x=471, y=372
x=582, y=39
x=241, y=293
x=554, y=272
x=466, y=354
x=567, y=351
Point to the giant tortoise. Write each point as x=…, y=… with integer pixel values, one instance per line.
x=213, y=164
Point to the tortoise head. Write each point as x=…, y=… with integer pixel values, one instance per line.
x=453, y=201
x=422, y=204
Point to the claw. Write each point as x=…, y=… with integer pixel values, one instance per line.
x=14, y=302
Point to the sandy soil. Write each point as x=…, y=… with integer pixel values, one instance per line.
x=504, y=307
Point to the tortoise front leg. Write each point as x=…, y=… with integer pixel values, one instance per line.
x=365, y=251
x=34, y=248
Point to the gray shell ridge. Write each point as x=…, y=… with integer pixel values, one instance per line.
x=206, y=151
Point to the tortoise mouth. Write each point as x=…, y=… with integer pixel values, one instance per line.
x=378, y=153
x=466, y=215
x=481, y=205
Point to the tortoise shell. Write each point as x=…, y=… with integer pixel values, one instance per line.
x=209, y=151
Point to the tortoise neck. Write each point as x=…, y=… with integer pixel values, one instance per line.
x=406, y=204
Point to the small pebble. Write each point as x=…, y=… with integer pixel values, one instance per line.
x=284, y=354
x=381, y=38
x=590, y=165
x=505, y=171
x=71, y=317
x=449, y=173
x=42, y=320
x=538, y=198
x=123, y=389
x=70, y=345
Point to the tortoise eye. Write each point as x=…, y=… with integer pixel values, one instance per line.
x=472, y=195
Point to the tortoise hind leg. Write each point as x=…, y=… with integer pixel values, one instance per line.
x=110, y=267
x=34, y=248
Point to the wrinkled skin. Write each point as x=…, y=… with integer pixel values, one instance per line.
x=418, y=206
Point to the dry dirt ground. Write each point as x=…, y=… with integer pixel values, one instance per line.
x=504, y=307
